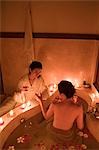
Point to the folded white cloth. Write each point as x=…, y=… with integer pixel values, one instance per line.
x=7, y=105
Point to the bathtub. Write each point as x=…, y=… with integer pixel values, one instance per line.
x=11, y=123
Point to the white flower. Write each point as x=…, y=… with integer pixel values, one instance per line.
x=11, y=147
x=80, y=133
x=43, y=147
x=85, y=135
x=20, y=140
x=22, y=120
x=84, y=146
x=30, y=123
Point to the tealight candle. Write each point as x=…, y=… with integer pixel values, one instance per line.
x=51, y=88
x=28, y=103
x=97, y=117
x=76, y=84
x=23, y=106
x=11, y=113
x=1, y=121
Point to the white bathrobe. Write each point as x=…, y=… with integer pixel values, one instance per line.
x=37, y=87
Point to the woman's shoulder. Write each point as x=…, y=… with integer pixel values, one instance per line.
x=76, y=105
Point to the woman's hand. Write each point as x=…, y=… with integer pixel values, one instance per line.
x=38, y=97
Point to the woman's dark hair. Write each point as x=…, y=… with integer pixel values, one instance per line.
x=66, y=88
x=35, y=64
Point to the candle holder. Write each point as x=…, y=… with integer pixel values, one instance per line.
x=1, y=121
x=86, y=85
x=52, y=88
x=28, y=104
x=11, y=113
x=23, y=106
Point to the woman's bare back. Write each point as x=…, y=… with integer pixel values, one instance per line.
x=65, y=113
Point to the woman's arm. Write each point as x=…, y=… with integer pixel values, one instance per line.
x=46, y=113
x=80, y=121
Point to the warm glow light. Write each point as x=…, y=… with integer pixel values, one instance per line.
x=55, y=86
x=97, y=95
x=52, y=88
x=97, y=117
x=76, y=84
x=28, y=103
x=11, y=113
x=23, y=105
x=69, y=79
x=92, y=96
x=1, y=121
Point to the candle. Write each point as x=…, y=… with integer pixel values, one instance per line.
x=28, y=103
x=1, y=121
x=23, y=106
x=97, y=117
x=11, y=113
x=51, y=88
x=76, y=84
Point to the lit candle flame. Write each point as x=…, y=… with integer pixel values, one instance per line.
x=51, y=88
x=23, y=106
x=11, y=113
x=76, y=84
x=1, y=121
x=28, y=103
x=97, y=117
